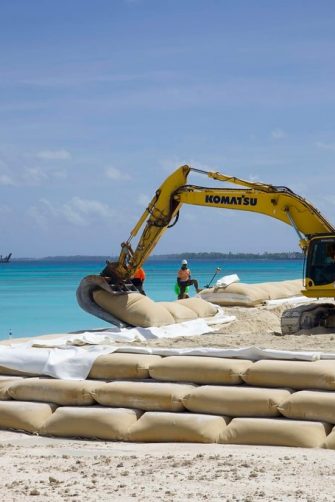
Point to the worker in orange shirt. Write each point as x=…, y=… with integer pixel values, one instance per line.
x=138, y=279
x=184, y=280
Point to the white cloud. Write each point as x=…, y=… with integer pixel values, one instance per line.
x=116, y=174
x=6, y=180
x=33, y=175
x=325, y=146
x=278, y=134
x=77, y=211
x=38, y=216
x=38, y=175
x=54, y=155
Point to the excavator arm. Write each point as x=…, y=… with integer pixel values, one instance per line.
x=275, y=201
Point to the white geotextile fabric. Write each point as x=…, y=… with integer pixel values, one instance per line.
x=294, y=300
x=64, y=357
x=74, y=363
x=227, y=279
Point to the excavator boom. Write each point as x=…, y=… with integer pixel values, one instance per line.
x=277, y=202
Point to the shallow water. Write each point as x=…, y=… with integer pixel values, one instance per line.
x=40, y=297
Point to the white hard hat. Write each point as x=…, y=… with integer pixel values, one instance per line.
x=184, y=262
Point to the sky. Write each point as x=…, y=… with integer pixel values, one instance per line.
x=101, y=100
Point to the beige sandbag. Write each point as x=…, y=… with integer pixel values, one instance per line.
x=234, y=401
x=134, y=309
x=5, y=383
x=64, y=392
x=122, y=366
x=25, y=416
x=330, y=441
x=310, y=405
x=275, y=432
x=293, y=374
x=178, y=427
x=180, y=313
x=91, y=422
x=198, y=369
x=251, y=295
x=9, y=371
x=142, y=395
x=199, y=306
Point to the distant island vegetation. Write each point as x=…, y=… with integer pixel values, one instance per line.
x=288, y=255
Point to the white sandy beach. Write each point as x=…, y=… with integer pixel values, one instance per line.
x=60, y=469
x=77, y=470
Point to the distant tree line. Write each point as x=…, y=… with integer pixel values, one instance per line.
x=287, y=255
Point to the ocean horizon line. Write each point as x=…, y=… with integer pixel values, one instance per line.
x=287, y=255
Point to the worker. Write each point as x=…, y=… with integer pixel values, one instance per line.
x=138, y=279
x=184, y=280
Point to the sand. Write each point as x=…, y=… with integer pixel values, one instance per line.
x=53, y=469
x=60, y=469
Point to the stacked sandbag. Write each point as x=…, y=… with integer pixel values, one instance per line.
x=139, y=310
x=153, y=396
x=24, y=415
x=309, y=405
x=235, y=401
x=200, y=370
x=178, y=427
x=91, y=422
x=119, y=366
x=276, y=432
x=62, y=392
x=143, y=397
x=252, y=295
x=293, y=374
x=5, y=383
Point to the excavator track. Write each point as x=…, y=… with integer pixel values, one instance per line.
x=306, y=317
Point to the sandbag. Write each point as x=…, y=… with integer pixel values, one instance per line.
x=122, y=366
x=180, y=313
x=139, y=310
x=25, y=416
x=310, y=405
x=5, y=383
x=201, y=307
x=90, y=422
x=251, y=295
x=235, y=401
x=9, y=371
x=63, y=392
x=178, y=427
x=142, y=395
x=198, y=369
x=293, y=374
x=134, y=309
x=275, y=432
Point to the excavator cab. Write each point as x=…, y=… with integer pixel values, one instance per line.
x=320, y=267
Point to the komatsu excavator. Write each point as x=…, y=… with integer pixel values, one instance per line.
x=316, y=238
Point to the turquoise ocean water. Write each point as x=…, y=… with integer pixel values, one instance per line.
x=39, y=297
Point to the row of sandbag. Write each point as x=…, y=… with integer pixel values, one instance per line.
x=231, y=401
x=119, y=424
x=211, y=370
x=252, y=295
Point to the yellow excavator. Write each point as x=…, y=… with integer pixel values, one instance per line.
x=316, y=239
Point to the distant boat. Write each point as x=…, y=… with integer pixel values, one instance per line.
x=5, y=259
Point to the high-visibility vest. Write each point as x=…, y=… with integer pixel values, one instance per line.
x=139, y=274
x=184, y=274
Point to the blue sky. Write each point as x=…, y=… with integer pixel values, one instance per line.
x=101, y=100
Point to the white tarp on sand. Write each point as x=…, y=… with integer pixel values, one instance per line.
x=69, y=362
